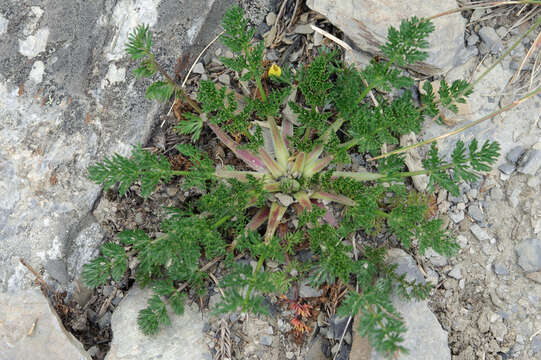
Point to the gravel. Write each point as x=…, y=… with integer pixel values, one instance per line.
x=500, y=269
x=475, y=212
x=506, y=168
x=198, y=69
x=456, y=216
x=531, y=162
x=479, y=233
x=514, y=155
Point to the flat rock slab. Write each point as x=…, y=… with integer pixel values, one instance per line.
x=366, y=23
x=67, y=99
x=183, y=340
x=31, y=329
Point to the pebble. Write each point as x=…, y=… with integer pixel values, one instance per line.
x=272, y=55
x=500, y=269
x=496, y=193
x=514, y=155
x=229, y=54
x=270, y=19
x=491, y=39
x=501, y=31
x=507, y=168
x=224, y=79
x=304, y=29
x=536, y=345
x=198, y=69
x=456, y=216
x=335, y=348
x=139, y=220
x=499, y=330
x=514, y=198
x=456, y=273
x=266, y=340
x=472, y=39
x=461, y=206
x=290, y=355
x=337, y=325
x=435, y=258
x=171, y=190
x=479, y=233
x=530, y=162
x=307, y=291
x=462, y=241
x=529, y=254
x=105, y=320
x=475, y=213
x=318, y=39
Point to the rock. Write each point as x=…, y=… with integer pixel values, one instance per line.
x=507, y=168
x=456, y=216
x=514, y=198
x=536, y=344
x=515, y=154
x=224, y=79
x=31, y=329
x=462, y=241
x=199, y=69
x=183, y=340
x=306, y=291
x=425, y=339
x=498, y=329
x=266, y=340
x=337, y=325
x=472, y=39
x=270, y=19
x=80, y=103
x=529, y=254
x=366, y=22
x=496, y=193
x=475, y=212
x=491, y=39
x=413, y=161
x=501, y=31
x=531, y=162
x=57, y=270
x=483, y=323
x=479, y=233
x=435, y=258
x=500, y=268
x=303, y=29
x=105, y=320
x=315, y=351
x=456, y=273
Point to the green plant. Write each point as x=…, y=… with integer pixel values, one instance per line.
x=293, y=177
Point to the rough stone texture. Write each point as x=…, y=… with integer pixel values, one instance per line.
x=518, y=125
x=491, y=39
x=67, y=99
x=531, y=162
x=183, y=340
x=425, y=339
x=366, y=22
x=529, y=254
x=48, y=339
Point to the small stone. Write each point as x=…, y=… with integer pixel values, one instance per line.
x=108, y=290
x=307, y=291
x=347, y=338
x=474, y=211
x=335, y=348
x=529, y=254
x=500, y=268
x=198, y=69
x=229, y=54
x=501, y=31
x=338, y=325
x=456, y=273
x=534, y=181
x=456, y=216
x=224, y=79
x=479, y=233
x=482, y=323
x=318, y=39
x=139, y=219
x=218, y=52
x=491, y=39
x=472, y=39
x=514, y=155
x=477, y=14
x=270, y=19
x=496, y=193
x=462, y=241
x=530, y=162
x=272, y=55
x=461, y=206
x=499, y=330
x=266, y=340
x=435, y=258
x=507, y=168
x=514, y=198
x=290, y=355
x=105, y=320
x=304, y=29
x=172, y=190
x=473, y=193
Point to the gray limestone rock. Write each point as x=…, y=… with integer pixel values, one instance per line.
x=507, y=168
x=514, y=155
x=491, y=39
x=67, y=99
x=31, y=329
x=529, y=254
x=183, y=340
x=475, y=212
x=500, y=268
x=531, y=162
x=425, y=339
x=366, y=23
x=479, y=233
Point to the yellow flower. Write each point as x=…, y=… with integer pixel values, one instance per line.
x=275, y=70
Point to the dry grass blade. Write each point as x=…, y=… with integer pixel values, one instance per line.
x=536, y=44
x=224, y=350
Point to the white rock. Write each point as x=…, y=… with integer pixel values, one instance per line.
x=31, y=329
x=183, y=340
x=479, y=233
x=3, y=25
x=36, y=73
x=33, y=45
x=198, y=69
